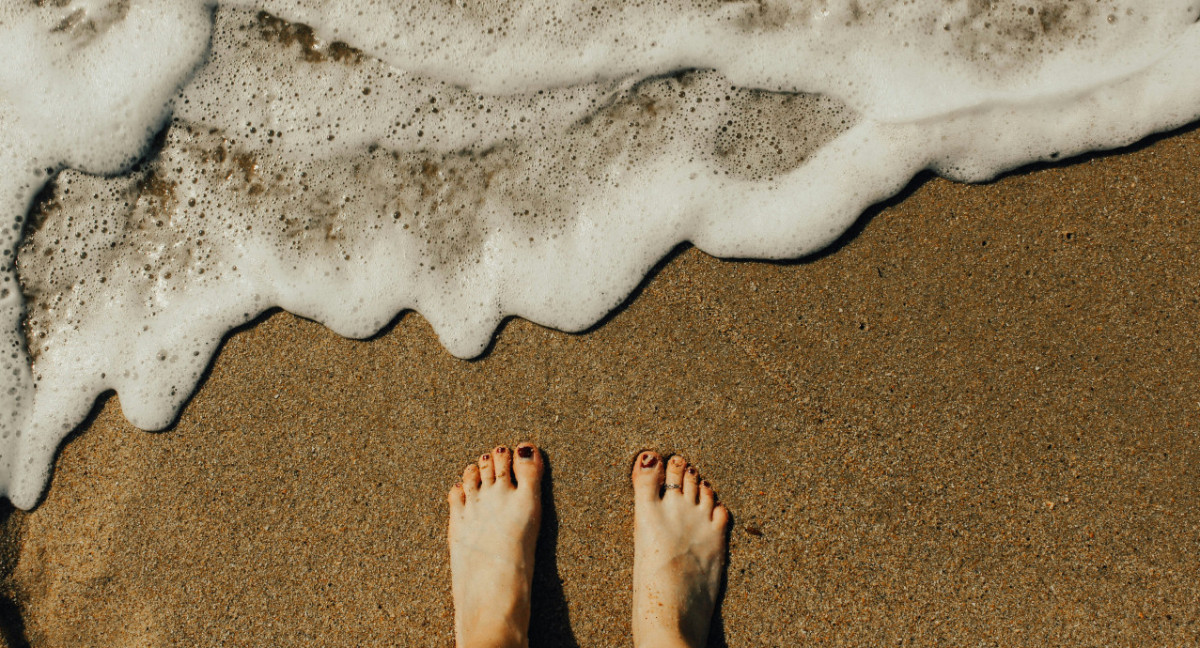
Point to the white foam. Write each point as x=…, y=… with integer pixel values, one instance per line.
x=891, y=60
x=399, y=156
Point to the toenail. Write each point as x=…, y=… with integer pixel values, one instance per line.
x=525, y=452
x=706, y=484
x=501, y=450
x=691, y=471
x=483, y=457
x=649, y=460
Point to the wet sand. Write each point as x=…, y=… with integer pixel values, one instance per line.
x=972, y=423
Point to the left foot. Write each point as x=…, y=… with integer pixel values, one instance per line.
x=494, y=517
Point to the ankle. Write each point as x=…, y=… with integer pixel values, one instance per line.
x=494, y=634
x=509, y=639
x=662, y=639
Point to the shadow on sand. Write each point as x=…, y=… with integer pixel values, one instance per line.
x=551, y=625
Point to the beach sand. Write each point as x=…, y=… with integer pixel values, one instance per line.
x=972, y=422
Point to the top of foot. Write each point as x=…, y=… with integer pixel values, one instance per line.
x=494, y=518
x=679, y=553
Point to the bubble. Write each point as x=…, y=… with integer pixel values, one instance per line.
x=172, y=171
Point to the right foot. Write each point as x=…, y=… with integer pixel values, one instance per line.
x=494, y=516
x=678, y=553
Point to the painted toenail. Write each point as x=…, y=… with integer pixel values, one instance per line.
x=706, y=484
x=525, y=452
x=483, y=457
x=648, y=461
x=691, y=471
x=501, y=450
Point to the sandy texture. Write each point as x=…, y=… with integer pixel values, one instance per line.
x=973, y=423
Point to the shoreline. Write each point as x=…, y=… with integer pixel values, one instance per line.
x=969, y=423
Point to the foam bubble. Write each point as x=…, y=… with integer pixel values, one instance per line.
x=178, y=170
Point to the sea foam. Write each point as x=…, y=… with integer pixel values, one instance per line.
x=171, y=169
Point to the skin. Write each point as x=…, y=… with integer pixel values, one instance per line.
x=679, y=550
x=494, y=518
x=678, y=553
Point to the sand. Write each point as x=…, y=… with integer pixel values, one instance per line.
x=972, y=423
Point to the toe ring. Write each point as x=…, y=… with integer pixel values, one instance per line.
x=665, y=486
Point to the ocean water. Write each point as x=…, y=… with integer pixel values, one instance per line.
x=172, y=168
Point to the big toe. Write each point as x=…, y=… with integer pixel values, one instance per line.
x=648, y=475
x=527, y=466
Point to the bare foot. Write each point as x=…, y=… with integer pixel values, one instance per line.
x=494, y=517
x=678, y=553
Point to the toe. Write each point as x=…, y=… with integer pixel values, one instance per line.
x=707, y=496
x=691, y=484
x=487, y=472
x=502, y=465
x=471, y=480
x=720, y=516
x=648, y=475
x=675, y=468
x=527, y=466
x=457, y=499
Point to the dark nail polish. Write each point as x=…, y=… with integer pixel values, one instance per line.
x=525, y=452
x=691, y=471
x=706, y=484
x=483, y=457
x=501, y=450
x=648, y=461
